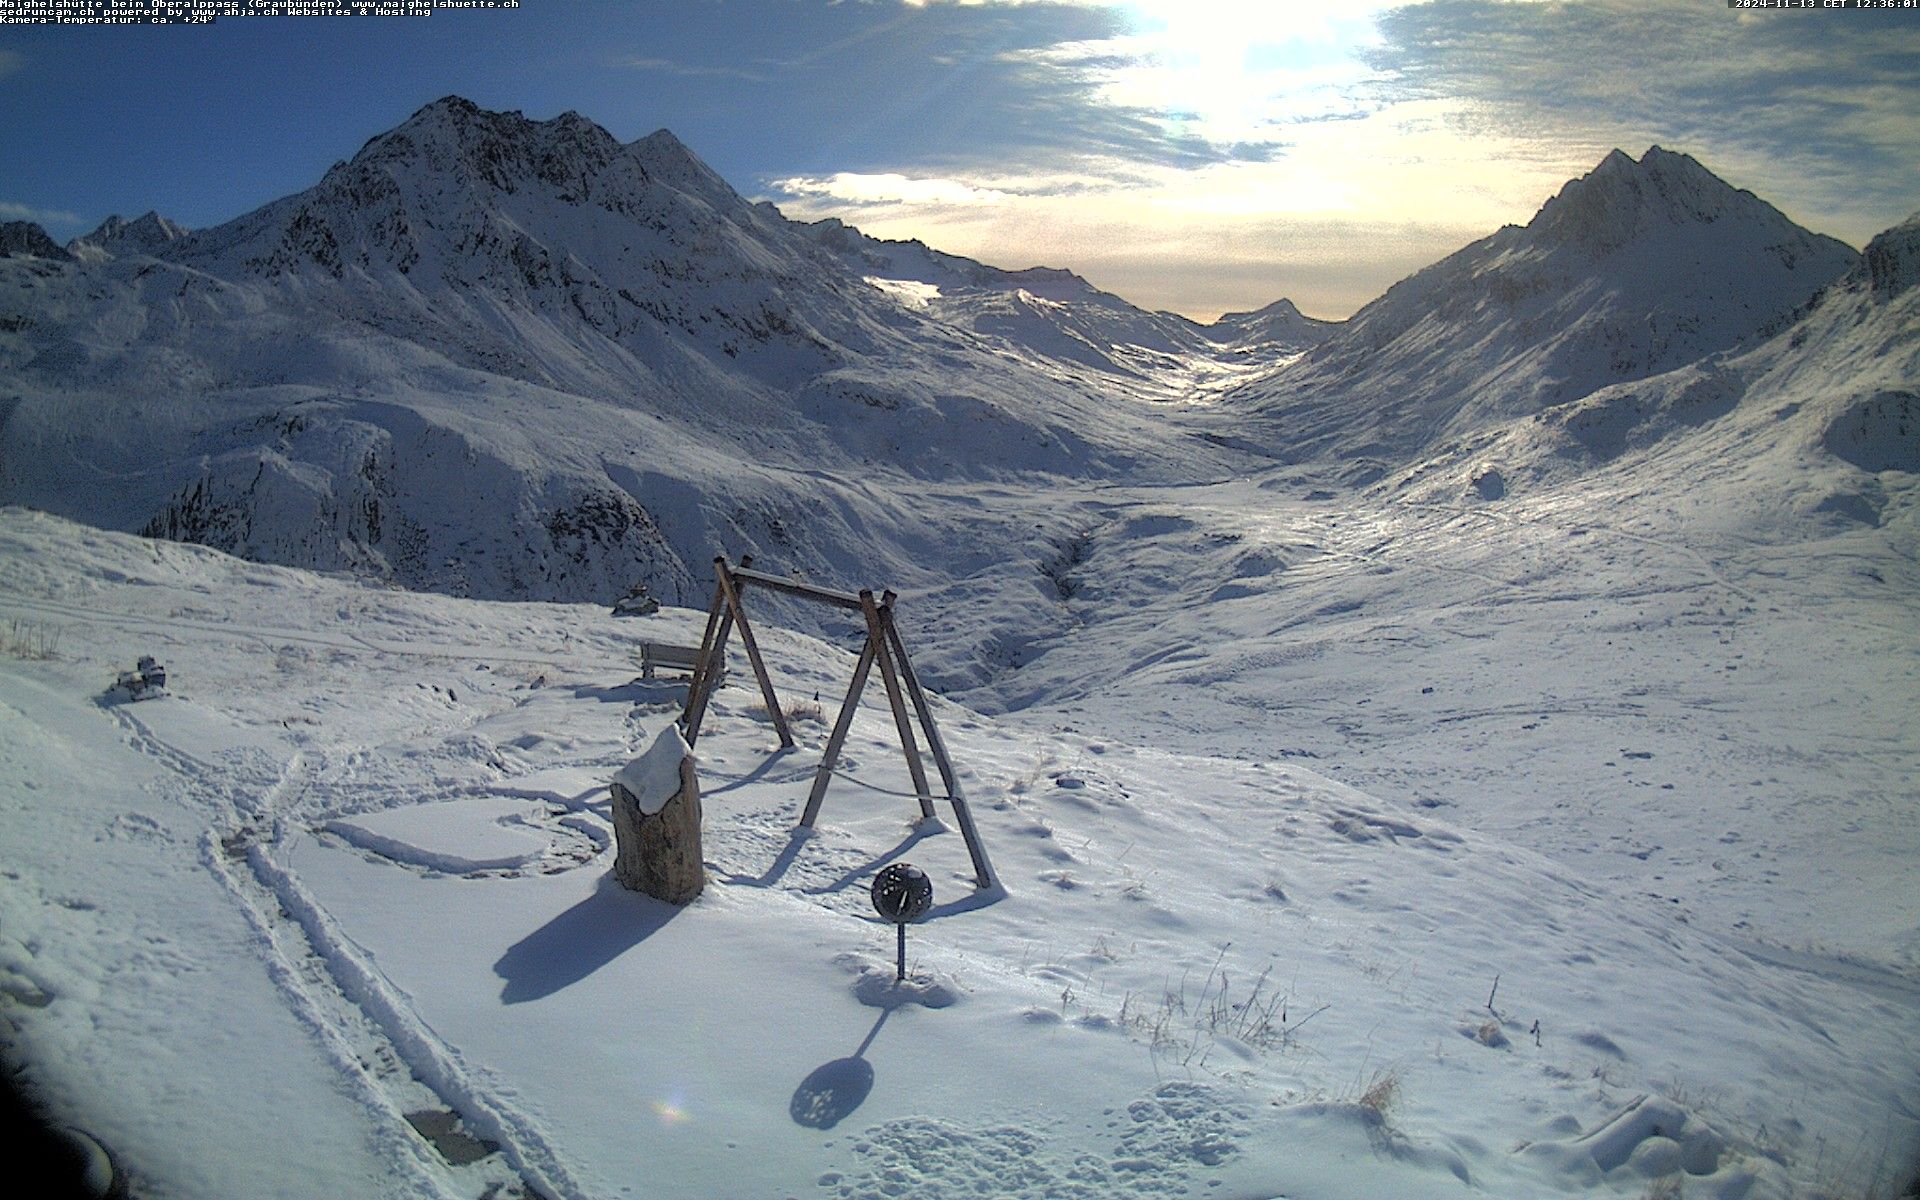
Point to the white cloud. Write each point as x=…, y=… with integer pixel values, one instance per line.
x=1352, y=207
x=667, y=66
x=847, y=187
x=1237, y=73
x=1406, y=129
x=50, y=217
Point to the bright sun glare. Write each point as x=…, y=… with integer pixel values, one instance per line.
x=1231, y=70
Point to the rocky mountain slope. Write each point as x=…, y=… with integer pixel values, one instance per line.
x=150, y=233
x=1058, y=316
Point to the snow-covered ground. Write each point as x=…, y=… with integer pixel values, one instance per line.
x=1593, y=915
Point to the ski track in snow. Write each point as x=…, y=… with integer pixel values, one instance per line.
x=395, y=1061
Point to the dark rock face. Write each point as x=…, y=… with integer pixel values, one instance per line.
x=1893, y=259
x=24, y=238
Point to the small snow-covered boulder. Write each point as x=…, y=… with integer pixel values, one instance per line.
x=656, y=822
x=636, y=603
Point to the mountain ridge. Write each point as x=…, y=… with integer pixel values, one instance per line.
x=509, y=358
x=520, y=359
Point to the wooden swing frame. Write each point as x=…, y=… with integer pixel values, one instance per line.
x=883, y=647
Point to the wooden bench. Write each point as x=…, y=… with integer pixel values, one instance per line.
x=674, y=658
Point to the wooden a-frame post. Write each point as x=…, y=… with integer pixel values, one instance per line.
x=884, y=648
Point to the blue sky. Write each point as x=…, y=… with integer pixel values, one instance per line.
x=1195, y=155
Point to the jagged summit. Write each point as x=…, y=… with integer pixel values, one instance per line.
x=149, y=233
x=454, y=179
x=508, y=150
x=502, y=218
x=503, y=150
x=1621, y=199
x=150, y=227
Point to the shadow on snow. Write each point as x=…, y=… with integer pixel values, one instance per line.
x=580, y=941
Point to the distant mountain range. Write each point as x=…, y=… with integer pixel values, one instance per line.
x=519, y=359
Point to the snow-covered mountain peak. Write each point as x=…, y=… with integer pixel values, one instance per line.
x=1280, y=324
x=502, y=150
x=503, y=217
x=149, y=229
x=1621, y=199
x=150, y=233
x=508, y=151
x=666, y=159
x=1635, y=268
x=663, y=148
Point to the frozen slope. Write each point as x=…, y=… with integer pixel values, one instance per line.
x=1208, y=975
x=1070, y=326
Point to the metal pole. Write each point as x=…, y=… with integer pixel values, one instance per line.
x=900, y=972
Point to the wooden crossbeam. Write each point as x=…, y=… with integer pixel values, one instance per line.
x=794, y=587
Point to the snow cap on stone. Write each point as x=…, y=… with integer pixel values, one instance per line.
x=654, y=777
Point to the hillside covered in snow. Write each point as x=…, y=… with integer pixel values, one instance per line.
x=1462, y=750
x=631, y=364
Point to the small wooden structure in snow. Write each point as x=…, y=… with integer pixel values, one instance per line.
x=883, y=648
x=656, y=822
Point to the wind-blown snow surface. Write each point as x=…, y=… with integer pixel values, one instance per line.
x=352, y=873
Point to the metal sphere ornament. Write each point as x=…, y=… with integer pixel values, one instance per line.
x=903, y=894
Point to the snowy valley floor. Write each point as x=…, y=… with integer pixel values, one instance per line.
x=1349, y=852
